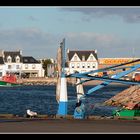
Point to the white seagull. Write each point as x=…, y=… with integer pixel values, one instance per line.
x=31, y=113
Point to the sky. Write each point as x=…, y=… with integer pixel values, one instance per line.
x=37, y=31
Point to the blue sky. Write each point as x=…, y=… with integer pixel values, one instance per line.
x=38, y=31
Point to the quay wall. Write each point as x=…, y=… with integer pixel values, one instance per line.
x=38, y=81
x=53, y=81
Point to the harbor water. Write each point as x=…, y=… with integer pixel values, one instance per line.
x=42, y=99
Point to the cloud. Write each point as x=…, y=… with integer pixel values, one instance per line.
x=130, y=15
x=88, y=40
x=107, y=45
x=39, y=44
x=32, y=41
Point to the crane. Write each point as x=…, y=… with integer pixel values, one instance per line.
x=61, y=93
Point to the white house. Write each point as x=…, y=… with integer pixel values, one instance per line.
x=82, y=61
x=14, y=62
x=31, y=67
x=2, y=67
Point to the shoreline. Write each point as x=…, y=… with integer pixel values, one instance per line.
x=38, y=81
x=53, y=81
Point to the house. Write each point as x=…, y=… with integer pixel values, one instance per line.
x=22, y=66
x=13, y=62
x=31, y=67
x=2, y=67
x=81, y=61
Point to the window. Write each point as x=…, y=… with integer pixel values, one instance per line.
x=72, y=65
x=88, y=65
x=83, y=58
x=33, y=66
x=75, y=58
x=78, y=65
x=91, y=58
x=9, y=66
x=25, y=60
x=17, y=59
x=26, y=66
x=32, y=60
x=93, y=65
x=17, y=66
x=9, y=59
x=83, y=65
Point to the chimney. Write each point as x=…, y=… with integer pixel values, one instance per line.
x=20, y=52
x=2, y=53
x=68, y=50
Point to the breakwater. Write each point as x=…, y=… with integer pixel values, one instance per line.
x=38, y=81
x=53, y=81
x=127, y=98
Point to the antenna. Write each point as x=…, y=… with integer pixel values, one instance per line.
x=133, y=53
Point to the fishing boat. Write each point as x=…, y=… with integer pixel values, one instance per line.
x=9, y=80
x=130, y=111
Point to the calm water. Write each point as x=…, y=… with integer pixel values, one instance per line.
x=16, y=100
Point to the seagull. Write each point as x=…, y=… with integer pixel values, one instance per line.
x=31, y=113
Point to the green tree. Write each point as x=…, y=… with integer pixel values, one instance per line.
x=45, y=64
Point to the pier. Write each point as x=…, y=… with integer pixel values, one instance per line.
x=45, y=124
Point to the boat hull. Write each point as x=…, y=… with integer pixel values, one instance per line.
x=8, y=84
x=126, y=113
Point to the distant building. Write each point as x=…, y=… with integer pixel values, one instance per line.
x=31, y=67
x=51, y=70
x=82, y=61
x=12, y=61
x=52, y=60
x=2, y=67
x=107, y=62
x=114, y=61
x=15, y=62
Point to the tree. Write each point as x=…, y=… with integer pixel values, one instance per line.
x=45, y=64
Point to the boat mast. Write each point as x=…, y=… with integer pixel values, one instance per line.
x=63, y=99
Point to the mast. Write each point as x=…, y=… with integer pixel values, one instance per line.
x=59, y=63
x=63, y=99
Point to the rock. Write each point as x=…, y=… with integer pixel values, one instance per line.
x=128, y=98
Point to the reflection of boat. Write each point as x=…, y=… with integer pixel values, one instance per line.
x=9, y=80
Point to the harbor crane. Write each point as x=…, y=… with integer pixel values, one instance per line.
x=61, y=93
